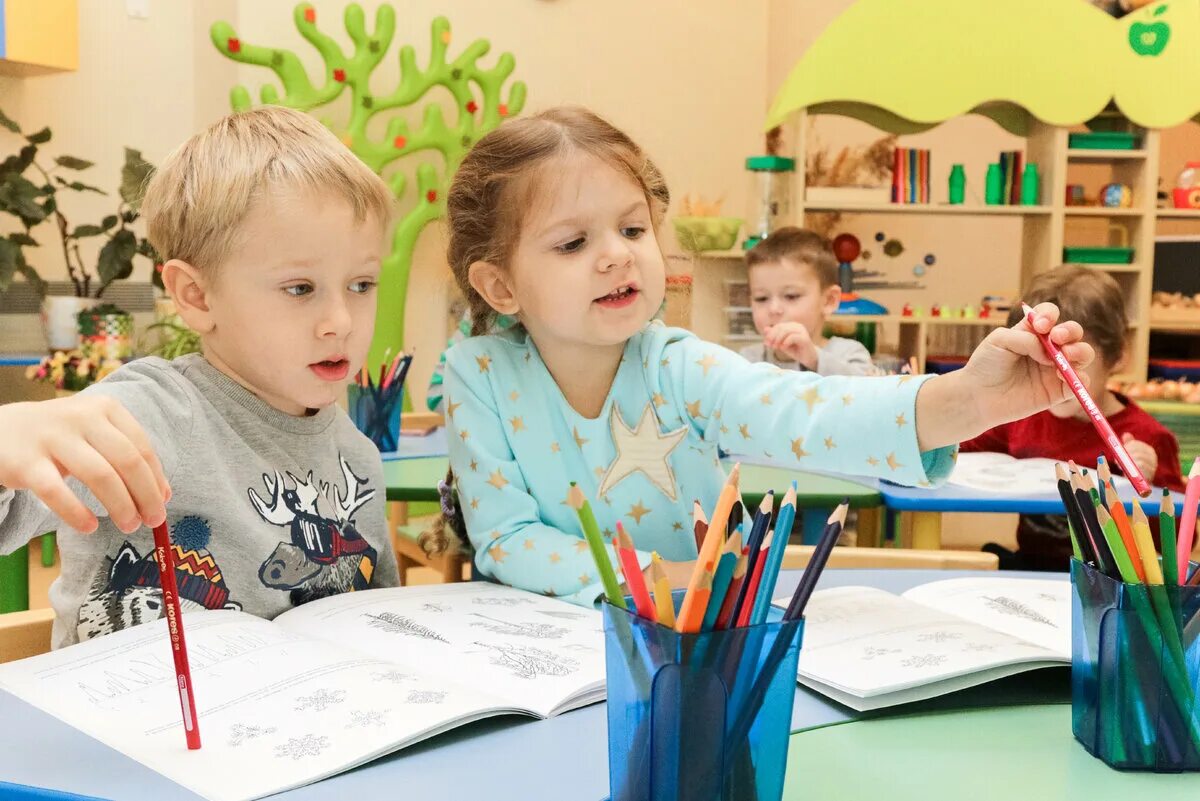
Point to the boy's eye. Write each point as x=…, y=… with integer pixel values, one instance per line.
x=298, y=290
x=793, y=296
x=758, y=300
x=633, y=231
x=363, y=287
x=572, y=246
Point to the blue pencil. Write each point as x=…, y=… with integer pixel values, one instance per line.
x=721, y=579
x=762, y=521
x=770, y=573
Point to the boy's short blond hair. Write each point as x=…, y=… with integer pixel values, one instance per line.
x=196, y=201
x=800, y=245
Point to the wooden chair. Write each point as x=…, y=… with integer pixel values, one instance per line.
x=25, y=634
x=409, y=552
x=797, y=556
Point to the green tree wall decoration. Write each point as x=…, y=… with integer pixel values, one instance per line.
x=478, y=104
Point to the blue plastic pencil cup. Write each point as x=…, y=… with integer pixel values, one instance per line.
x=1135, y=672
x=376, y=413
x=698, y=716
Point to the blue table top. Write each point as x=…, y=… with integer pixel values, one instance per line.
x=501, y=759
x=419, y=447
x=20, y=359
x=951, y=498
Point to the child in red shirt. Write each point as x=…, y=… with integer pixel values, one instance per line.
x=1094, y=300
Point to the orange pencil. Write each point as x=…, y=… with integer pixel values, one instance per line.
x=1116, y=511
x=714, y=538
x=755, y=580
x=690, y=623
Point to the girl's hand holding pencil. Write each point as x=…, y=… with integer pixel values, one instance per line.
x=94, y=439
x=1008, y=377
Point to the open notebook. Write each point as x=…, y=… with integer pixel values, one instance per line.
x=867, y=648
x=1007, y=475
x=323, y=687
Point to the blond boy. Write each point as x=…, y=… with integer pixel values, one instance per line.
x=272, y=233
x=793, y=289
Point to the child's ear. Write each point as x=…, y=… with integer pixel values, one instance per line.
x=1121, y=363
x=831, y=298
x=185, y=285
x=492, y=283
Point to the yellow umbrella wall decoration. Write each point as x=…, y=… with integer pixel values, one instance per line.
x=906, y=65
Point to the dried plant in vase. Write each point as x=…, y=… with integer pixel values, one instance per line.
x=867, y=165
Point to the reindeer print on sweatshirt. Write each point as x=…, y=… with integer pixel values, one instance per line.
x=323, y=554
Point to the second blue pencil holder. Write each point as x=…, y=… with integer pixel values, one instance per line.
x=1135, y=668
x=698, y=716
x=376, y=413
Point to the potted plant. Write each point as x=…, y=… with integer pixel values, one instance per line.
x=34, y=194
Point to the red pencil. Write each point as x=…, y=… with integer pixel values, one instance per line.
x=752, y=582
x=1055, y=354
x=183, y=674
x=634, y=578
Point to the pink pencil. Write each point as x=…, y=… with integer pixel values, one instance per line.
x=1055, y=354
x=1187, y=523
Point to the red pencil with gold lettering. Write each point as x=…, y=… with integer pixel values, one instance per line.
x=183, y=673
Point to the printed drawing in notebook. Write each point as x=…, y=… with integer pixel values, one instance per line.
x=868, y=649
x=323, y=687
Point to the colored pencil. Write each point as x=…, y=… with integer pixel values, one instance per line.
x=1101, y=424
x=783, y=530
x=690, y=623
x=816, y=565
x=165, y=560
x=713, y=540
x=736, y=515
x=754, y=583
x=735, y=586
x=635, y=580
x=1187, y=522
x=699, y=525
x=1105, y=477
x=1104, y=559
x=1079, y=539
x=762, y=520
x=663, y=601
x=1166, y=530
x=721, y=580
x=1117, y=510
x=1151, y=569
x=591, y=532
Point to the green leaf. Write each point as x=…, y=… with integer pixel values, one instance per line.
x=72, y=163
x=82, y=231
x=8, y=263
x=108, y=222
x=134, y=177
x=23, y=239
x=8, y=123
x=32, y=277
x=116, y=258
x=39, y=138
x=81, y=187
x=18, y=196
x=128, y=216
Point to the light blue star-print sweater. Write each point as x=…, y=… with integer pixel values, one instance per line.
x=515, y=444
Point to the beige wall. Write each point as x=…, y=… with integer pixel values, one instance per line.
x=137, y=86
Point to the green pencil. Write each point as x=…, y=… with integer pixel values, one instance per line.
x=1166, y=526
x=591, y=533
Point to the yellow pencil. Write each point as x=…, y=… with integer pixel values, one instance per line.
x=662, y=592
x=1145, y=545
x=714, y=538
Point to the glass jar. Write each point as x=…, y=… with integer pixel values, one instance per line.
x=770, y=195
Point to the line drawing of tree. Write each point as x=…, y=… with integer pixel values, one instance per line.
x=476, y=94
x=538, y=631
x=399, y=624
x=527, y=662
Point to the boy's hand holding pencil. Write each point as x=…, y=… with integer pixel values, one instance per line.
x=1008, y=377
x=95, y=439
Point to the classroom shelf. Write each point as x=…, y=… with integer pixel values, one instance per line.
x=1178, y=214
x=928, y=208
x=1102, y=211
x=1183, y=326
x=733, y=253
x=1082, y=154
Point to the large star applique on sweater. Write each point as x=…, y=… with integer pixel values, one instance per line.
x=643, y=448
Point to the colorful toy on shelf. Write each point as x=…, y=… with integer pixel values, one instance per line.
x=1030, y=188
x=958, y=184
x=935, y=310
x=1187, y=192
x=910, y=175
x=770, y=194
x=1075, y=195
x=907, y=311
x=847, y=248
x=1183, y=391
x=1116, y=196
